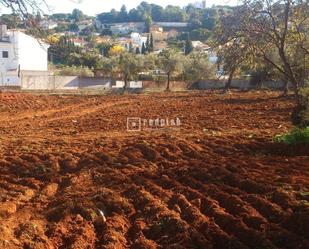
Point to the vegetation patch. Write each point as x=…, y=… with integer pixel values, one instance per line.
x=296, y=136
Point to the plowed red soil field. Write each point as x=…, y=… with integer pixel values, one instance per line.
x=72, y=176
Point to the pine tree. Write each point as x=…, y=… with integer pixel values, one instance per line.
x=151, y=44
x=148, y=23
x=144, y=48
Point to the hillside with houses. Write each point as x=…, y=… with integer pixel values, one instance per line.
x=80, y=45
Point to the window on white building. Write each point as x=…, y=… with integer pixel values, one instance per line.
x=5, y=54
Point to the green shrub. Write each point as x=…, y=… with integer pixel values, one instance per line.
x=76, y=71
x=297, y=136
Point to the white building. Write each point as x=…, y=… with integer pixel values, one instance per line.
x=138, y=39
x=172, y=24
x=200, y=5
x=48, y=24
x=20, y=53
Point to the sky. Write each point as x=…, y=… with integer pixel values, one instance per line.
x=93, y=7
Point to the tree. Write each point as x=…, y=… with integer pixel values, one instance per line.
x=109, y=66
x=233, y=56
x=148, y=22
x=156, y=12
x=11, y=20
x=60, y=16
x=77, y=15
x=104, y=48
x=275, y=31
x=174, y=14
x=275, y=26
x=135, y=16
x=188, y=46
x=73, y=27
x=116, y=50
x=61, y=49
x=151, y=44
x=147, y=44
x=123, y=15
x=150, y=62
x=129, y=66
x=131, y=48
x=89, y=59
x=38, y=17
x=196, y=67
x=170, y=62
x=200, y=34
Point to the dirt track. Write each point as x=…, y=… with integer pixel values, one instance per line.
x=217, y=181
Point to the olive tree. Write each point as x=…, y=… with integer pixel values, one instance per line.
x=170, y=62
x=129, y=65
x=274, y=31
x=196, y=67
x=267, y=27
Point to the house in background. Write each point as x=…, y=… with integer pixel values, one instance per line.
x=126, y=28
x=179, y=26
x=200, y=46
x=120, y=28
x=138, y=39
x=172, y=34
x=156, y=28
x=48, y=24
x=20, y=53
x=79, y=42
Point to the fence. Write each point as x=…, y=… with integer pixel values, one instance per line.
x=238, y=84
x=9, y=79
x=54, y=82
x=46, y=81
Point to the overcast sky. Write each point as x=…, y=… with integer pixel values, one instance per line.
x=93, y=7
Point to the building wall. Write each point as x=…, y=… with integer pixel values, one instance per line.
x=131, y=84
x=174, y=85
x=54, y=82
x=238, y=84
x=138, y=25
x=50, y=82
x=10, y=63
x=24, y=53
x=172, y=24
x=32, y=53
x=9, y=79
x=35, y=83
x=160, y=36
x=94, y=83
x=125, y=28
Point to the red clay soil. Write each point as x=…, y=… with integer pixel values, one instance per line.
x=72, y=176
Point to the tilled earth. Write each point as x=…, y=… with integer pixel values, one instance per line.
x=72, y=176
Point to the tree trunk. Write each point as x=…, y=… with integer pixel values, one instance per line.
x=168, y=81
x=229, y=81
x=285, y=86
x=125, y=82
x=290, y=74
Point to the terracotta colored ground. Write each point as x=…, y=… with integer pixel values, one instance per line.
x=217, y=182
